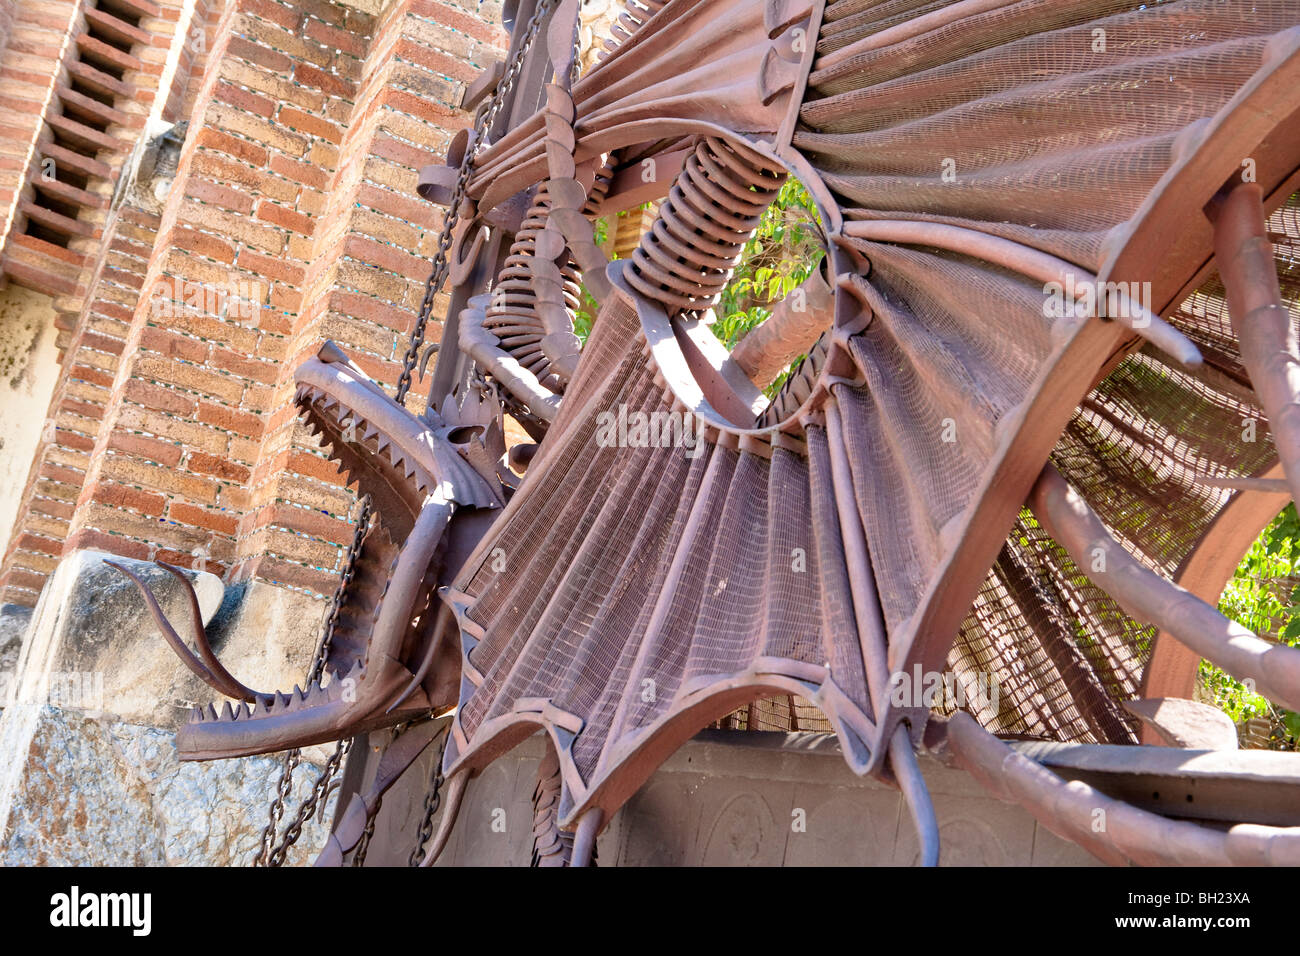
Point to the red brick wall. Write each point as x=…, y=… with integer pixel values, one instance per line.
x=104, y=272
x=29, y=65
x=79, y=406
x=367, y=279
x=200, y=36
x=309, y=123
x=88, y=73
x=6, y=22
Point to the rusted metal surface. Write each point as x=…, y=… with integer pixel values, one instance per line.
x=1126, y=834
x=551, y=845
x=1273, y=668
x=1187, y=723
x=1005, y=297
x=1263, y=325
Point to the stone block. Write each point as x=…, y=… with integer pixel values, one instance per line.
x=14, y=619
x=97, y=792
x=93, y=625
x=730, y=799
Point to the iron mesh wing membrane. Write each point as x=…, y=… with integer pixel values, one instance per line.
x=638, y=593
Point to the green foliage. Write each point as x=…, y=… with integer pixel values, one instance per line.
x=1258, y=597
x=588, y=306
x=784, y=250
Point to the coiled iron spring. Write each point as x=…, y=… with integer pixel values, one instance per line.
x=686, y=258
x=512, y=314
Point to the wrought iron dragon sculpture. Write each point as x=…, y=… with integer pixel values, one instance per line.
x=977, y=477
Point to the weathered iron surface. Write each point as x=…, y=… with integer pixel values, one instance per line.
x=1018, y=307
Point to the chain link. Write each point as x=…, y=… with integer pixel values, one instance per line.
x=345, y=581
x=363, y=846
x=314, y=799
x=432, y=800
x=268, y=853
x=271, y=854
x=484, y=122
x=291, y=760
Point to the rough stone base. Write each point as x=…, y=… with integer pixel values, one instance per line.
x=98, y=792
x=14, y=619
x=91, y=696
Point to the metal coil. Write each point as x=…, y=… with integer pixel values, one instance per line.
x=686, y=258
x=512, y=315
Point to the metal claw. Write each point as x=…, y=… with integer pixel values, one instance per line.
x=429, y=350
x=584, y=841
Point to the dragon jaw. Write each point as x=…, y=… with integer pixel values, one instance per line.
x=392, y=657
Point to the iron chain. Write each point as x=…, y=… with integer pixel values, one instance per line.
x=363, y=845
x=291, y=760
x=432, y=799
x=269, y=854
x=309, y=806
x=488, y=116
x=437, y=274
